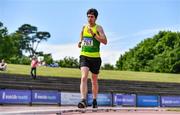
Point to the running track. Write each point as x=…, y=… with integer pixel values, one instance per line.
x=72, y=110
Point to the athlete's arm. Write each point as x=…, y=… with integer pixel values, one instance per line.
x=81, y=38
x=101, y=37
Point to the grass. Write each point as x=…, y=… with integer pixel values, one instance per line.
x=173, y=109
x=104, y=74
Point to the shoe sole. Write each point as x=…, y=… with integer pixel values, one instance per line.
x=81, y=105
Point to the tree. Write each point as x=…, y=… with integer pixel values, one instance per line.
x=161, y=53
x=9, y=44
x=48, y=58
x=119, y=63
x=26, y=38
x=31, y=38
x=108, y=66
x=69, y=62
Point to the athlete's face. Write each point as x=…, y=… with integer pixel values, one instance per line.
x=91, y=19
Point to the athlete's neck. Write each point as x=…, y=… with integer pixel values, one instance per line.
x=92, y=25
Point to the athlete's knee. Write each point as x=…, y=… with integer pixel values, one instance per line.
x=84, y=79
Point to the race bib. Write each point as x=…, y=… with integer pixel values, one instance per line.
x=88, y=42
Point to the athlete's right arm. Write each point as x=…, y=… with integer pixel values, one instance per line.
x=81, y=38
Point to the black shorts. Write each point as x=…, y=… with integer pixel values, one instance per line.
x=93, y=64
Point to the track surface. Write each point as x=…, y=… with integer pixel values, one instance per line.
x=72, y=110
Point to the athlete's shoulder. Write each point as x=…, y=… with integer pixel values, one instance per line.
x=84, y=25
x=99, y=27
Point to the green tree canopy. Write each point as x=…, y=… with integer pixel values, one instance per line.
x=161, y=53
x=26, y=38
x=31, y=38
x=69, y=62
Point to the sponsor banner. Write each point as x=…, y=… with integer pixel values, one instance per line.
x=125, y=99
x=68, y=98
x=45, y=97
x=147, y=101
x=1, y=95
x=170, y=101
x=102, y=99
x=15, y=96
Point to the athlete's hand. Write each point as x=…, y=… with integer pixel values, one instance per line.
x=79, y=44
x=90, y=31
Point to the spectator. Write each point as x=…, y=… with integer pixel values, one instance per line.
x=3, y=65
x=34, y=64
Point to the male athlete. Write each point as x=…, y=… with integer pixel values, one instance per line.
x=91, y=36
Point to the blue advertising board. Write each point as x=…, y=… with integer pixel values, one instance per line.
x=147, y=101
x=1, y=95
x=15, y=96
x=70, y=98
x=102, y=99
x=170, y=101
x=45, y=97
x=124, y=99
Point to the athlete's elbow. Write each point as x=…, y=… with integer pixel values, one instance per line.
x=105, y=42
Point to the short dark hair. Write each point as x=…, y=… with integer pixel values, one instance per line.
x=93, y=12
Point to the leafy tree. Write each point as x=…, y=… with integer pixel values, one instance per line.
x=108, y=66
x=161, y=53
x=26, y=38
x=9, y=44
x=119, y=64
x=69, y=62
x=31, y=38
x=48, y=58
x=20, y=60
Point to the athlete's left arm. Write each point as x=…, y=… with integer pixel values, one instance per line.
x=101, y=37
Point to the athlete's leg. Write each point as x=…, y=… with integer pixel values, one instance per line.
x=95, y=87
x=84, y=78
x=83, y=86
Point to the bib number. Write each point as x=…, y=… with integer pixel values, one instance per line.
x=88, y=42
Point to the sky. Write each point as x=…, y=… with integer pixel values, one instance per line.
x=125, y=22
